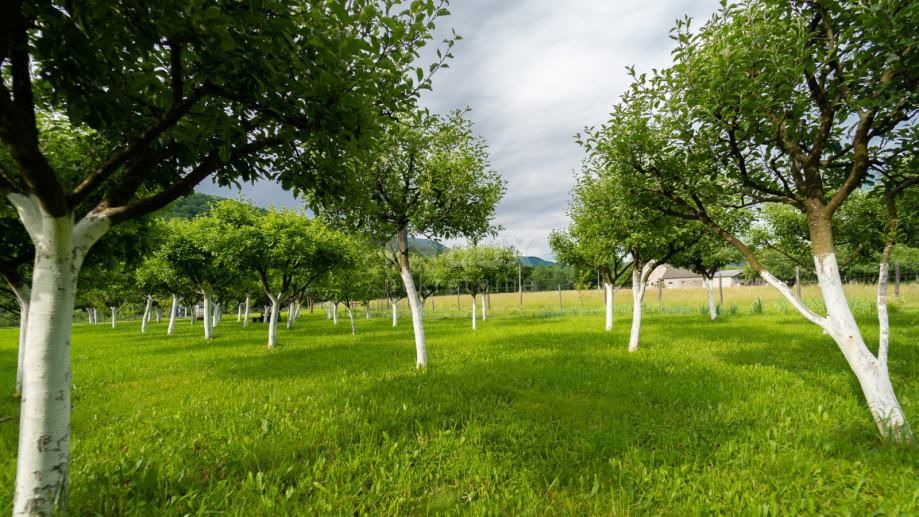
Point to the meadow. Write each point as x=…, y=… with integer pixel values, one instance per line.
x=539, y=411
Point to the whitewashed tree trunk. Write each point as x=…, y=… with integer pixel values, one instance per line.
x=290, y=315
x=872, y=372
x=273, y=322
x=246, y=314
x=639, y=285
x=328, y=310
x=239, y=313
x=44, y=423
x=484, y=309
x=173, y=311
x=156, y=310
x=206, y=317
x=608, y=288
x=395, y=314
x=114, y=316
x=23, y=295
x=215, y=314
x=366, y=311
x=351, y=317
x=148, y=308
x=421, y=350
x=712, y=308
x=335, y=313
x=473, y=312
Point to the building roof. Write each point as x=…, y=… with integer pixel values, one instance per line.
x=675, y=273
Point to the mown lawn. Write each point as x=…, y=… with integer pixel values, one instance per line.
x=534, y=413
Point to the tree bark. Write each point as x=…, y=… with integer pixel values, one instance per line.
x=114, y=316
x=335, y=313
x=421, y=351
x=710, y=287
x=239, y=313
x=206, y=319
x=395, y=314
x=473, y=311
x=148, y=308
x=173, y=310
x=273, y=321
x=608, y=287
x=351, y=317
x=246, y=314
x=484, y=305
x=44, y=424
x=290, y=315
x=639, y=284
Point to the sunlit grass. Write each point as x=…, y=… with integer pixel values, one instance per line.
x=535, y=412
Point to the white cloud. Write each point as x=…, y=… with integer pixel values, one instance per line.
x=535, y=72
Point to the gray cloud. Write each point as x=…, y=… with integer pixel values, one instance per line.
x=535, y=73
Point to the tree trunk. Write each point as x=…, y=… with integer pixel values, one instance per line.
x=173, y=310
x=710, y=287
x=207, y=319
x=366, y=311
x=395, y=314
x=148, y=308
x=215, y=316
x=473, y=312
x=351, y=317
x=484, y=307
x=639, y=284
x=114, y=316
x=44, y=423
x=608, y=287
x=290, y=315
x=246, y=314
x=273, y=322
x=239, y=313
x=328, y=310
x=335, y=313
x=421, y=351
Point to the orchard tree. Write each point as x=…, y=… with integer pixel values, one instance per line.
x=428, y=175
x=179, y=91
x=591, y=243
x=782, y=103
x=470, y=268
x=705, y=257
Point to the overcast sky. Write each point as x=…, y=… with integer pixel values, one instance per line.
x=535, y=73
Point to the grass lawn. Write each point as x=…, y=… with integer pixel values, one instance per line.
x=539, y=411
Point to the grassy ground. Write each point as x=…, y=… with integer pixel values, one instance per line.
x=538, y=411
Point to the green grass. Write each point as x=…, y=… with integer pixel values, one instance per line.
x=534, y=413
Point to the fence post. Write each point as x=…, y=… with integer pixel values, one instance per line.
x=798, y=280
x=896, y=289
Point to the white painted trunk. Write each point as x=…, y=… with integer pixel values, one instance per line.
x=239, y=313
x=638, y=294
x=608, y=288
x=246, y=314
x=414, y=304
x=473, y=312
x=215, y=319
x=173, y=310
x=148, y=308
x=44, y=424
x=156, y=311
x=712, y=308
x=395, y=314
x=114, y=316
x=335, y=313
x=206, y=318
x=484, y=308
x=351, y=317
x=366, y=311
x=290, y=316
x=273, y=322
x=328, y=310
x=871, y=371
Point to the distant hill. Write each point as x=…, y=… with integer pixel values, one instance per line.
x=536, y=262
x=426, y=247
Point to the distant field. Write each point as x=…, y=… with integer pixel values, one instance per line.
x=537, y=412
